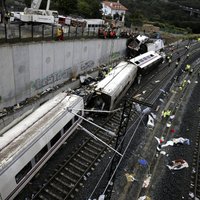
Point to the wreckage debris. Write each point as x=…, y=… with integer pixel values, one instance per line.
x=130, y=177
x=176, y=141
x=144, y=198
x=146, y=181
x=178, y=164
x=143, y=162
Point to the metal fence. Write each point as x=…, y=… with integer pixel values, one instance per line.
x=14, y=32
x=30, y=32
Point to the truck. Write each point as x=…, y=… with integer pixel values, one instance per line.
x=36, y=15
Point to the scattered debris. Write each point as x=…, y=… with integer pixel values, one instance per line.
x=146, y=181
x=90, y=119
x=138, y=108
x=146, y=110
x=102, y=197
x=163, y=153
x=163, y=91
x=161, y=100
x=143, y=162
x=153, y=115
x=150, y=122
x=193, y=170
x=178, y=164
x=143, y=92
x=136, y=96
x=191, y=194
x=172, y=130
x=168, y=125
x=158, y=81
x=176, y=141
x=144, y=198
x=130, y=177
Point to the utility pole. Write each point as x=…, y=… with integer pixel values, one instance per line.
x=125, y=117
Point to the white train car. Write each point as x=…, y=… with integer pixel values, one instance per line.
x=115, y=85
x=27, y=146
x=147, y=61
x=111, y=89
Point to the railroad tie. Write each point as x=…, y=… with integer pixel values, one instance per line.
x=52, y=194
x=84, y=158
x=67, y=177
x=91, y=151
x=94, y=147
x=72, y=172
x=76, y=167
x=81, y=163
x=88, y=155
x=42, y=197
x=58, y=188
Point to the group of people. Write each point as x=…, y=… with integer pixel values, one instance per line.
x=106, y=33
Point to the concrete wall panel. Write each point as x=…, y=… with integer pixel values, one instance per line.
x=7, y=82
x=20, y=55
x=33, y=67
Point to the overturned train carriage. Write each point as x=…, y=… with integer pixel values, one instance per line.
x=28, y=145
x=111, y=89
x=147, y=62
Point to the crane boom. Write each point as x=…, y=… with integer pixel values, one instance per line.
x=48, y=5
x=36, y=4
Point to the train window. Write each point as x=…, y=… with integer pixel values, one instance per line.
x=68, y=125
x=137, y=62
x=41, y=153
x=23, y=172
x=55, y=138
x=151, y=55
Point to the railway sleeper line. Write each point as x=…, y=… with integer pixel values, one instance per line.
x=88, y=151
x=76, y=171
x=195, y=174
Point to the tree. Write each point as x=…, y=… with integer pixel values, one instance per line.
x=89, y=8
x=67, y=6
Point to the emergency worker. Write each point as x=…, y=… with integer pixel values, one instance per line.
x=187, y=68
x=176, y=64
x=190, y=71
x=59, y=34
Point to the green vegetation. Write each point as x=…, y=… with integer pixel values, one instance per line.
x=167, y=14
x=83, y=8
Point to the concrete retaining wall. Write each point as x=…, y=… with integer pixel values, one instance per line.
x=29, y=68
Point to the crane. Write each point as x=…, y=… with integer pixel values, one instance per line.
x=36, y=15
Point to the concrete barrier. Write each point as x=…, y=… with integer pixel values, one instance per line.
x=29, y=68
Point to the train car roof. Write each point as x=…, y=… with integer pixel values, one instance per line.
x=24, y=133
x=114, y=79
x=145, y=59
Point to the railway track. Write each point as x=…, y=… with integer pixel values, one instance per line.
x=195, y=176
x=75, y=170
x=69, y=177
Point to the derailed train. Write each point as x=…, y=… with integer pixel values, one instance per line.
x=28, y=145
x=111, y=89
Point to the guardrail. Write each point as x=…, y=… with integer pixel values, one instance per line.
x=29, y=32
